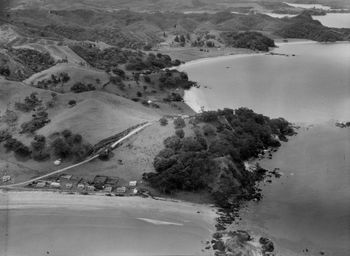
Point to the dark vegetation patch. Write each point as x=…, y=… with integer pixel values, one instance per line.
x=30, y=103
x=173, y=79
x=213, y=158
x=109, y=59
x=66, y=145
x=250, y=40
x=81, y=87
x=63, y=145
x=52, y=82
x=39, y=120
x=32, y=59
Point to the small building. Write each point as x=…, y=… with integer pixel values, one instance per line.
x=133, y=183
x=41, y=184
x=55, y=185
x=69, y=185
x=90, y=188
x=57, y=162
x=108, y=189
x=66, y=176
x=121, y=190
x=80, y=186
x=6, y=178
x=99, y=181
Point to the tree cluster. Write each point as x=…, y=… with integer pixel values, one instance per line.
x=250, y=40
x=212, y=159
x=79, y=87
x=67, y=145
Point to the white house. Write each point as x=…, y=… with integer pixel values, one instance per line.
x=55, y=185
x=6, y=178
x=132, y=183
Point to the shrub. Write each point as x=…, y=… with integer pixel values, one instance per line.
x=39, y=120
x=179, y=123
x=60, y=148
x=180, y=133
x=172, y=142
x=163, y=121
x=208, y=130
x=17, y=147
x=38, y=142
x=5, y=71
x=30, y=102
x=66, y=133
x=139, y=94
x=4, y=135
x=80, y=87
x=72, y=102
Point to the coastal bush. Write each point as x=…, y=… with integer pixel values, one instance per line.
x=163, y=121
x=213, y=158
x=250, y=40
x=180, y=133
x=179, y=123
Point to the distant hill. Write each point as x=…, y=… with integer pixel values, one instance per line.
x=135, y=30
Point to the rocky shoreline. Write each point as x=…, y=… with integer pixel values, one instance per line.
x=226, y=242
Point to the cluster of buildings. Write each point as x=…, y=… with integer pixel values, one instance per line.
x=100, y=183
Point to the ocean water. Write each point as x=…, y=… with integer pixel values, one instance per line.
x=310, y=6
x=334, y=20
x=312, y=86
x=309, y=206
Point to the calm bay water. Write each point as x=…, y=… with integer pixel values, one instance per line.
x=334, y=20
x=311, y=86
x=309, y=207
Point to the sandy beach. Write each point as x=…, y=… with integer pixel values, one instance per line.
x=44, y=223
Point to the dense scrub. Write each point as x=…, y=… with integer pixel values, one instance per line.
x=32, y=59
x=109, y=59
x=213, y=158
x=250, y=40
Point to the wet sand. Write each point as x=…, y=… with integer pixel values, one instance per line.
x=47, y=223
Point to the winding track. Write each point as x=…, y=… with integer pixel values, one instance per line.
x=80, y=163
